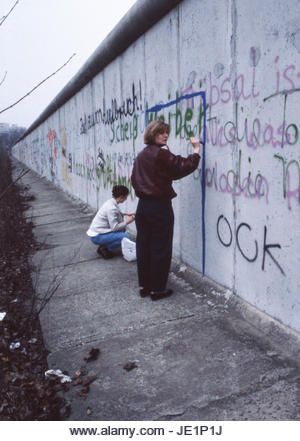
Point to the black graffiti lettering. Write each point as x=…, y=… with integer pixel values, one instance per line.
x=135, y=99
x=267, y=251
x=265, y=247
x=129, y=106
x=90, y=121
x=287, y=175
x=117, y=110
x=250, y=259
x=283, y=162
x=83, y=125
x=229, y=229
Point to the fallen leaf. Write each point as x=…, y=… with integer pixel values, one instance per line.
x=93, y=355
x=130, y=365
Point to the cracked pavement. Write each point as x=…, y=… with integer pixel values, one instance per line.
x=194, y=358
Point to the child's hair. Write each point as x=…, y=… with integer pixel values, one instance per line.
x=153, y=129
x=119, y=190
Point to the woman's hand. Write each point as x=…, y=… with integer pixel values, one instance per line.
x=129, y=218
x=196, y=144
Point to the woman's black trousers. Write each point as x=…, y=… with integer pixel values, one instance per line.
x=155, y=222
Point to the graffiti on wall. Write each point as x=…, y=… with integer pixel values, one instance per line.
x=127, y=120
x=234, y=182
x=107, y=170
x=58, y=156
x=258, y=251
x=250, y=153
x=290, y=179
x=115, y=112
x=271, y=135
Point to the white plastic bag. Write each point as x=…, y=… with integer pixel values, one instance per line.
x=128, y=249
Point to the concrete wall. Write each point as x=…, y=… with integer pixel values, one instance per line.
x=242, y=228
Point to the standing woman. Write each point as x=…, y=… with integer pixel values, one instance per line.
x=153, y=172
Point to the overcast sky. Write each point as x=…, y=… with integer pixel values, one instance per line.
x=38, y=37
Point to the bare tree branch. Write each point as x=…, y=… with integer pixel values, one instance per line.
x=3, y=79
x=38, y=85
x=2, y=20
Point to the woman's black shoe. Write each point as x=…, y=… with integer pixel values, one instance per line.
x=144, y=292
x=104, y=252
x=157, y=295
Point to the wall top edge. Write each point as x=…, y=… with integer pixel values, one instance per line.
x=137, y=21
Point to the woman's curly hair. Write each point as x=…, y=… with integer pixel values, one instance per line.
x=119, y=190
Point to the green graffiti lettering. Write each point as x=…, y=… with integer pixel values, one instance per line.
x=135, y=127
x=178, y=119
x=188, y=116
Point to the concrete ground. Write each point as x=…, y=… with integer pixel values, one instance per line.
x=194, y=357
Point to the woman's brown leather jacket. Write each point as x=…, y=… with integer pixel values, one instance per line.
x=156, y=167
